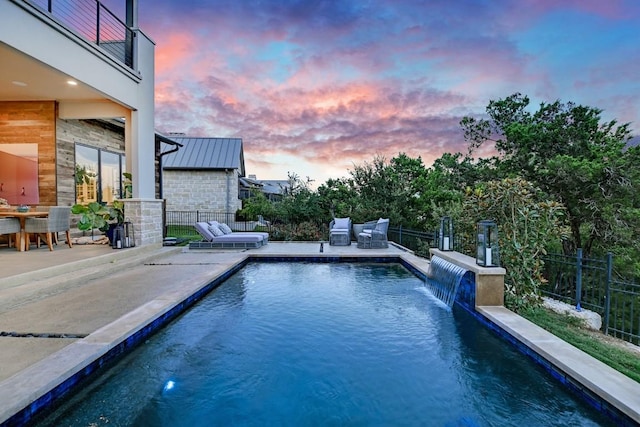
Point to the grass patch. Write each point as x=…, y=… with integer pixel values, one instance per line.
x=184, y=234
x=596, y=344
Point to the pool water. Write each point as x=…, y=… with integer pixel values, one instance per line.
x=303, y=344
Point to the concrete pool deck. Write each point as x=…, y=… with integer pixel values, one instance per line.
x=89, y=299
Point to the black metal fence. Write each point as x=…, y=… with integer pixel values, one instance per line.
x=181, y=223
x=91, y=20
x=579, y=281
x=417, y=241
x=590, y=283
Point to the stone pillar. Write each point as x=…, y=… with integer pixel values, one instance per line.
x=489, y=287
x=146, y=217
x=489, y=281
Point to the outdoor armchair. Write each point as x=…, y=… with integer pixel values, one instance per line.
x=374, y=235
x=59, y=219
x=10, y=226
x=340, y=232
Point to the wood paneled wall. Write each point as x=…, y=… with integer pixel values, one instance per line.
x=34, y=122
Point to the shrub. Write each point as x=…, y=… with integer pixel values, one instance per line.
x=526, y=224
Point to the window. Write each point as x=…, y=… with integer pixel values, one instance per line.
x=98, y=175
x=110, y=176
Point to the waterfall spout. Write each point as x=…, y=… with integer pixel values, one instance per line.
x=443, y=279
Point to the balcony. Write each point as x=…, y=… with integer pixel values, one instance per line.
x=91, y=20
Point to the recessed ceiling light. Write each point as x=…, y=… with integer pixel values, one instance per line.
x=19, y=83
x=72, y=83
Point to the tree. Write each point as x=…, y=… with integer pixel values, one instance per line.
x=339, y=200
x=568, y=152
x=394, y=190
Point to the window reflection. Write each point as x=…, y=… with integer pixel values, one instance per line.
x=86, y=174
x=98, y=175
x=110, y=176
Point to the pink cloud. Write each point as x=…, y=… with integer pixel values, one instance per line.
x=320, y=81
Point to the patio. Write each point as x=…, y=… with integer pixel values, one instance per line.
x=13, y=262
x=62, y=310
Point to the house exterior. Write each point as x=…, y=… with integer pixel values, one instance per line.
x=273, y=189
x=81, y=104
x=203, y=175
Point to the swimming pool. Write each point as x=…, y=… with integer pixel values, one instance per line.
x=324, y=344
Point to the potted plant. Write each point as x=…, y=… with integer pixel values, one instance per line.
x=92, y=216
x=96, y=216
x=115, y=218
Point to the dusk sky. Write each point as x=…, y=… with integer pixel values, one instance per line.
x=314, y=87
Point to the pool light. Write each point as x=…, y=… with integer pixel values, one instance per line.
x=169, y=385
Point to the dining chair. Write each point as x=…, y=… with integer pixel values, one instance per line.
x=59, y=220
x=10, y=226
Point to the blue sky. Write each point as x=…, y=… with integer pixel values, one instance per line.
x=314, y=87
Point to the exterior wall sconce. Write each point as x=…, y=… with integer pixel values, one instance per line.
x=487, y=250
x=445, y=241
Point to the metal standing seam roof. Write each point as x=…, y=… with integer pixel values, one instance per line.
x=206, y=154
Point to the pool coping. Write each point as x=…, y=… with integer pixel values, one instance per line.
x=36, y=387
x=605, y=388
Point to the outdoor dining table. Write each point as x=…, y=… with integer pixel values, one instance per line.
x=21, y=238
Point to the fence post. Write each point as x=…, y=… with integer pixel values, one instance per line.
x=578, y=279
x=607, y=292
x=400, y=235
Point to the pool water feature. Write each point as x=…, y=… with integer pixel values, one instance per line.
x=444, y=279
x=317, y=344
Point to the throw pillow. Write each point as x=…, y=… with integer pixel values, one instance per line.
x=225, y=228
x=342, y=223
x=215, y=231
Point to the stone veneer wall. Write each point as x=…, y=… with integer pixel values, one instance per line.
x=146, y=217
x=188, y=190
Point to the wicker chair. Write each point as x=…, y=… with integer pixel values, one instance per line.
x=340, y=232
x=59, y=220
x=10, y=226
x=374, y=235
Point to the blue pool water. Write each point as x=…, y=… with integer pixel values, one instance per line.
x=297, y=344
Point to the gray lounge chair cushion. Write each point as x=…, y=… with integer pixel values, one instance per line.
x=341, y=224
x=239, y=238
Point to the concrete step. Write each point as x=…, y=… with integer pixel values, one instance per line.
x=24, y=288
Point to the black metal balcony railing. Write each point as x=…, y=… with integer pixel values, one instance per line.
x=91, y=20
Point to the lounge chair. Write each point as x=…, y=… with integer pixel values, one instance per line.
x=227, y=230
x=340, y=232
x=374, y=235
x=214, y=238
